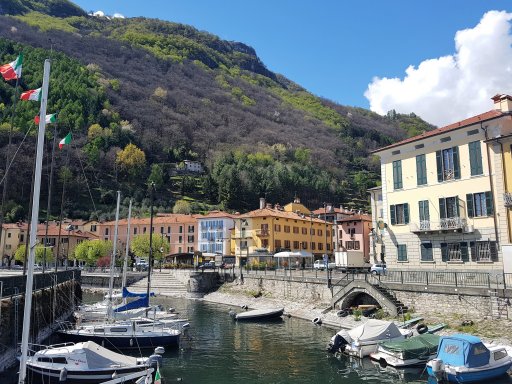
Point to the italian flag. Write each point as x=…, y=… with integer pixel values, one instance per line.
x=12, y=70
x=49, y=119
x=158, y=378
x=65, y=141
x=33, y=95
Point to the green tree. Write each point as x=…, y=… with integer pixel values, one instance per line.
x=131, y=160
x=156, y=176
x=140, y=246
x=182, y=206
x=90, y=251
x=20, y=254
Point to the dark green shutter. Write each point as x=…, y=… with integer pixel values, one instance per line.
x=494, y=250
x=472, y=162
x=442, y=208
x=472, y=245
x=475, y=158
x=392, y=213
x=397, y=174
x=456, y=163
x=406, y=213
x=469, y=203
x=488, y=203
x=444, y=252
x=464, y=255
x=421, y=170
x=439, y=161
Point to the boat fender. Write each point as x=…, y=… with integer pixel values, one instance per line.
x=317, y=321
x=342, y=313
x=421, y=329
x=159, y=351
x=171, y=310
x=155, y=361
x=63, y=375
x=232, y=313
x=185, y=326
x=245, y=307
x=131, y=342
x=467, y=323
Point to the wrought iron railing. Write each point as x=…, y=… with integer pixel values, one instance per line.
x=507, y=196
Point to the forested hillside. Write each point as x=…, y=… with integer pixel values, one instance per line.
x=140, y=96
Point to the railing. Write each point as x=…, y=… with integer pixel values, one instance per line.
x=442, y=224
x=507, y=196
x=16, y=284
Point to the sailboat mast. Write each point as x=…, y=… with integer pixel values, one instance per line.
x=125, y=265
x=113, y=258
x=152, y=186
x=33, y=226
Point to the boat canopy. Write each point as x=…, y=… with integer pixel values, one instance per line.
x=463, y=350
x=127, y=293
x=99, y=357
x=139, y=303
x=372, y=330
x=416, y=347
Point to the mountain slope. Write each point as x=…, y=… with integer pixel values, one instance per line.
x=177, y=93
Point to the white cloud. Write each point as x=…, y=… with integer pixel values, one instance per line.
x=450, y=88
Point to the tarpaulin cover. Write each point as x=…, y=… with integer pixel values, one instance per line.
x=463, y=350
x=375, y=330
x=416, y=347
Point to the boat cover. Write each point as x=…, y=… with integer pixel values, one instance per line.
x=373, y=330
x=463, y=350
x=98, y=357
x=417, y=347
x=139, y=303
x=127, y=293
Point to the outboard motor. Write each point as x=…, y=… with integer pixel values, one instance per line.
x=438, y=368
x=156, y=359
x=337, y=344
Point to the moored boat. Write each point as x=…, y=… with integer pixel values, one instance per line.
x=413, y=351
x=258, y=314
x=463, y=358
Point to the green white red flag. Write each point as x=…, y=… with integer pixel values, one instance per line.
x=49, y=119
x=65, y=141
x=32, y=95
x=158, y=378
x=12, y=71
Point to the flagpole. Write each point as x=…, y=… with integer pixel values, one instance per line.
x=49, y=198
x=7, y=159
x=33, y=224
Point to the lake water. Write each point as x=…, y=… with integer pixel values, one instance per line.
x=217, y=349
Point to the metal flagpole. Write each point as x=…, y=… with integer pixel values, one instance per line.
x=33, y=230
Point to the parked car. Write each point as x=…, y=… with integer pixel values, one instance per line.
x=142, y=265
x=378, y=269
x=320, y=265
x=208, y=265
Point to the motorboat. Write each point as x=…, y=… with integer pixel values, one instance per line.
x=412, y=351
x=463, y=358
x=85, y=363
x=258, y=314
x=122, y=335
x=364, y=339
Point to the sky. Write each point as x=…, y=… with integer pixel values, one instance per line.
x=441, y=59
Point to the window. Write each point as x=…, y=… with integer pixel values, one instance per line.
x=190, y=239
x=399, y=214
x=401, y=252
x=106, y=231
x=22, y=238
x=304, y=245
x=313, y=246
x=277, y=227
x=135, y=230
x=397, y=174
x=448, y=207
x=448, y=166
x=295, y=245
x=286, y=229
x=287, y=244
x=426, y=252
x=320, y=246
x=144, y=230
x=352, y=245
x=162, y=230
x=9, y=235
x=320, y=232
x=424, y=215
x=180, y=239
x=479, y=204
x=296, y=230
x=263, y=230
x=484, y=251
x=313, y=231
x=168, y=229
x=190, y=229
x=264, y=243
x=421, y=170
x=454, y=251
x=7, y=246
x=304, y=231
x=181, y=229
x=475, y=158
x=277, y=244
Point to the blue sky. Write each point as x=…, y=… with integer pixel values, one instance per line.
x=336, y=48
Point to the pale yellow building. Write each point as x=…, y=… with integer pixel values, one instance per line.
x=270, y=229
x=12, y=236
x=443, y=195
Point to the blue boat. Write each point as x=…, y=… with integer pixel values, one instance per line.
x=465, y=358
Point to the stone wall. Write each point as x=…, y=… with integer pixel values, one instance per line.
x=102, y=281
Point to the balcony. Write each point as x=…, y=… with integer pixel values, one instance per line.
x=262, y=233
x=443, y=225
x=507, y=196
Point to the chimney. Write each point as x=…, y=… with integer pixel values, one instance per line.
x=277, y=206
x=502, y=102
x=296, y=200
x=262, y=202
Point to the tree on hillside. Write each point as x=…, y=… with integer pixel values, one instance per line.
x=131, y=160
x=182, y=206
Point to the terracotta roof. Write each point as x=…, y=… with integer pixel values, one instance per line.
x=460, y=124
x=321, y=211
x=357, y=218
x=167, y=219
x=22, y=226
x=219, y=214
x=54, y=231
x=278, y=213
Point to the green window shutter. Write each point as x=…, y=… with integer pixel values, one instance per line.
x=442, y=208
x=439, y=161
x=464, y=251
x=475, y=158
x=478, y=156
x=392, y=214
x=444, y=252
x=421, y=171
x=472, y=245
x=397, y=174
x=426, y=211
x=406, y=213
x=456, y=163
x=488, y=203
x=469, y=203
x=494, y=250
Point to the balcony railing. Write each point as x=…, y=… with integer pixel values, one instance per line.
x=451, y=223
x=507, y=196
x=262, y=233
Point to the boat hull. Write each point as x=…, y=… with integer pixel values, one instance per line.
x=260, y=314
x=385, y=359
x=122, y=341
x=471, y=375
x=44, y=375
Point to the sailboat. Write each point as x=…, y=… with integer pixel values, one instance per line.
x=130, y=334
x=45, y=355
